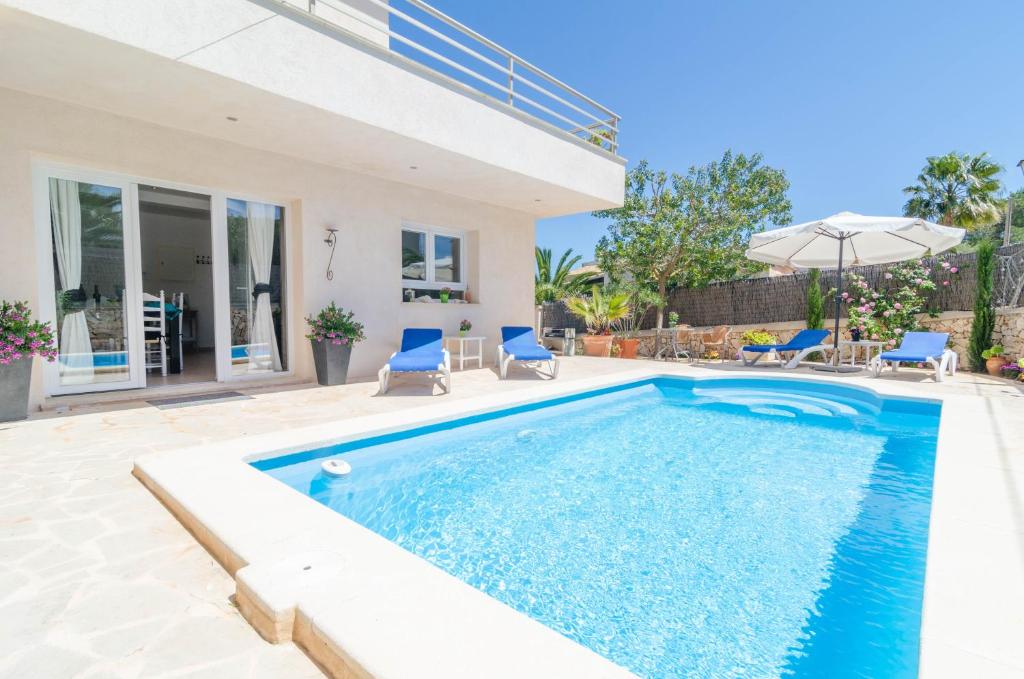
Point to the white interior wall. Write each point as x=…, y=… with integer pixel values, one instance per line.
x=367, y=211
x=159, y=229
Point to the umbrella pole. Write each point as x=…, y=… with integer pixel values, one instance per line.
x=839, y=302
x=835, y=366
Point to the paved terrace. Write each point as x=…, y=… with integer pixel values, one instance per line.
x=97, y=579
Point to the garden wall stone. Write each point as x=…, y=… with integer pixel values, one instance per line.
x=1009, y=331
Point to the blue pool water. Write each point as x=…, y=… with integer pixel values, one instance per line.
x=680, y=528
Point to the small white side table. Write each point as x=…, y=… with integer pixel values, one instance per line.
x=868, y=346
x=463, y=356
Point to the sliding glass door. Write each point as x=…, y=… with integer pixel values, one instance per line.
x=91, y=261
x=256, y=289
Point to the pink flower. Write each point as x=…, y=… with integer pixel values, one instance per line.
x=336, y=341
x=945, y=282
x=888, y=276
x=945, y=265
x=874, y=295
x=953, y=270
x=862, y=300
x=897, y=305
x=918, y=281
x=899, y=331
x=846, y=295
x=927, y=272
x=887, y=313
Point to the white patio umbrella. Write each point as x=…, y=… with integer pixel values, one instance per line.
x=849, y=239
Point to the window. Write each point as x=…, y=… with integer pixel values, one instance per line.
x=255, y=275
x=432, y=259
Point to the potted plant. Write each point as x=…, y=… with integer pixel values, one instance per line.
x=464, y=327
x=640, y=300
x=995, y=359
x=21, y=339
x=599, y=311
x=758, y=338
x=332, y=332
x=1012, y=370
x=445, y=294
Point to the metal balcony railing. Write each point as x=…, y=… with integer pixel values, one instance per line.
x=433, y=39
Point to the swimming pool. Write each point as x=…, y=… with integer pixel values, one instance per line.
x=678, y=527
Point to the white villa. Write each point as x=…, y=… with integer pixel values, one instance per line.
x=207, y=150
x=213, y=172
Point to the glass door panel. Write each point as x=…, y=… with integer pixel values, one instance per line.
x=87, y=225
x=255, y=275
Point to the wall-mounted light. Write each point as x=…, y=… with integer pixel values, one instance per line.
x=332, y=242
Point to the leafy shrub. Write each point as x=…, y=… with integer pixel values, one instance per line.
x=758, y=337
x=994, y=351
x=335, y=325
x=21, y=337
x=984, y=315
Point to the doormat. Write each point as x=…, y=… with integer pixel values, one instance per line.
x=197, y=400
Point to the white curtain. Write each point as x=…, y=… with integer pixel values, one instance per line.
x=66, y=217
x=260, y=232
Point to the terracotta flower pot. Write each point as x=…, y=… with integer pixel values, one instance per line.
x=995, y=364
x=597, y=345
x=628, y=346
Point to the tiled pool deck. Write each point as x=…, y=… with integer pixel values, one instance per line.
x=97, y=579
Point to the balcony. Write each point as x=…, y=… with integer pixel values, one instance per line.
x=428, y=38
x=400, y=91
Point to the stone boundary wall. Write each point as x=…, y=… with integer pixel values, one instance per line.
x=1009, y=331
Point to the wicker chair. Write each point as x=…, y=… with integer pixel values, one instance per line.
x=716, y=338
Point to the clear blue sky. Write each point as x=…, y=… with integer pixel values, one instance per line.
x=847, y=97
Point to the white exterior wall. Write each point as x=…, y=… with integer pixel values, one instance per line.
x=368, y=211
x=298, y=88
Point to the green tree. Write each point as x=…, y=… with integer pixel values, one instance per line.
x=994, y=231
x=815, y=302
x=956, y=189
x=984, y=315
x=600, y=310
x=689, y=230
x=552, y=283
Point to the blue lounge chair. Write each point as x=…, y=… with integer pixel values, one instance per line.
x=422, y=352
x=920, y=347
x=519, y=344
x=803, y=343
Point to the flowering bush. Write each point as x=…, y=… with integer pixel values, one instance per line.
x=886, y=314
x=21, y=337
x=334, y=325
x=758, y=337
x=1013, y=371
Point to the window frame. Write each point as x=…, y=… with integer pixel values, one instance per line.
x=430, y=232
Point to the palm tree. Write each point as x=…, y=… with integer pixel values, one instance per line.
x=553, y=284
x=600, y=310
x=957, y=190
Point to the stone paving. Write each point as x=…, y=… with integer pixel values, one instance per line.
x=97, y=579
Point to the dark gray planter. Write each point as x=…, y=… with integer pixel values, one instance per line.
x=331, y=361
x=15, y=379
